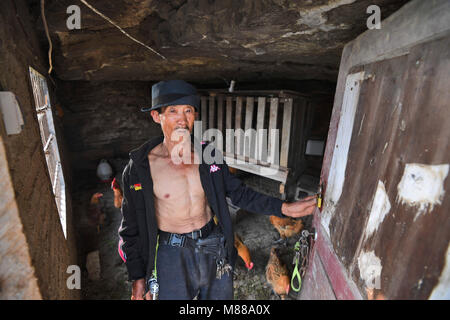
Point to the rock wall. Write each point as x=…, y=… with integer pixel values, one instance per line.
x=103, y=120
x=49, y=251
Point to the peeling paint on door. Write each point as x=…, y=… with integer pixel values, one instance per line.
x=441, y=291
x=380, y=208
x=422, y=186
x=336, y=176
x=370, y=269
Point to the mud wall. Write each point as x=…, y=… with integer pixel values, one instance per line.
x=49, y=251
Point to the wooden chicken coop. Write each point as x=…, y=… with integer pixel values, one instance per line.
x=263, y=132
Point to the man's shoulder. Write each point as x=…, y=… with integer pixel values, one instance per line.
x=141, y=152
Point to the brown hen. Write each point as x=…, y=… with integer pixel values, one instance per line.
x=277, y=275
x=286, y=227
x=243, y=252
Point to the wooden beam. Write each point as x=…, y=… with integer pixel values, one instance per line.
x=279, y=174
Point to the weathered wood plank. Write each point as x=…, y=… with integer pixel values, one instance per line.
x=261, y=138
x=211, y=109
x=272, y=126
x=249, y=142
x=219, y=145
x=220, y=113
x=286, y=132
x=238, y=125
x=228, y=124
x=204, y=113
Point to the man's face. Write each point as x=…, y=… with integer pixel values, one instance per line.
x=175, y=121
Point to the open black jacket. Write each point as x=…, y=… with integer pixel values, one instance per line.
x=138, y=230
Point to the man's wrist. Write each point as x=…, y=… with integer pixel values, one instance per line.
x=284, y=208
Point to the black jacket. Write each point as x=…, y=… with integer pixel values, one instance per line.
x=138, y=231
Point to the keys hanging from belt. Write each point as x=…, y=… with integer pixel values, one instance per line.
x=154, y=288
x=222, y=268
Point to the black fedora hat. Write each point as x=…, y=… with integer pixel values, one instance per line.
x=172, y=93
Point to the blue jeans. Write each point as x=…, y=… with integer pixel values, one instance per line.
x=184, y=274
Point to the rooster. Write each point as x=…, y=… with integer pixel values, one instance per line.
x=96, y=216
x=243, y=252
x=277, y=275
x=286, y=227
x=118, y=194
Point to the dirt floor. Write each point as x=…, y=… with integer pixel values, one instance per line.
x=255, y=230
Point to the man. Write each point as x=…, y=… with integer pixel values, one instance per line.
x=171, y=245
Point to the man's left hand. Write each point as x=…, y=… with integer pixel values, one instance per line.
x=300, y=208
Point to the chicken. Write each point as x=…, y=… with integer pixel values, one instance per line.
x=96, y=216
x=243, y=252
x=118, y=194
x=277, y=275
x=286, y=227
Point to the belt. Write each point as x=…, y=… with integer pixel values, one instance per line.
x=183, y=239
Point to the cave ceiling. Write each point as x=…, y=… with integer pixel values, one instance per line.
x=204, y=40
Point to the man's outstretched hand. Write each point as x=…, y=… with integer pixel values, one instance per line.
x=300, y=208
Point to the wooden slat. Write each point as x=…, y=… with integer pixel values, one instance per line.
x=204, y=113
x=220, y=121
x=228, y=125
x=261, y=138
x=220, y=113
x=249, y=112
x=238, y=120
x=272, y=125
x=211, y=108
x=286, y=132
x=249, y=144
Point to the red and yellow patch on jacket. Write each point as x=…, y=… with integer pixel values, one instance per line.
x=136, y=187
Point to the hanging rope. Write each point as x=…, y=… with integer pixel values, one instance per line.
x=48, y=36
x=121, y=30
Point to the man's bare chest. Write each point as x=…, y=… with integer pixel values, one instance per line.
x=172, y=181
